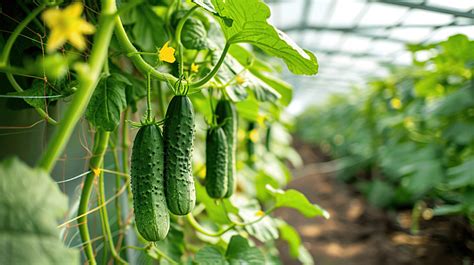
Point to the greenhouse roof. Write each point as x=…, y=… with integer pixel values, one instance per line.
x=354, y=39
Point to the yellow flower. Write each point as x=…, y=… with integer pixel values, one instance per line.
x=166, y=54
x=396, y=103
x=67, y=25
x=260, y=213
x=240, y=79
x=96, y=171
x=253, y=135
x=194, y=68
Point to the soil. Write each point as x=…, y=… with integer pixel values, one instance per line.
x=359, y=234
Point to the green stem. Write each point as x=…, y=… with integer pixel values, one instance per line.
x=88, y=77
x=101, y=140
x=179, y=29
x=40, y=111
x=214, y=70
x=4, y=58
x=192, y=221
x=104, y=218
x=15, y=70
x=166, y=257
x=161, y=99
x=137, y=60
x=125, y=150
x=118, y=185
x=148, y=98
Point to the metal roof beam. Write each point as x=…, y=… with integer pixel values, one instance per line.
x=345, y=30
x=423, y=6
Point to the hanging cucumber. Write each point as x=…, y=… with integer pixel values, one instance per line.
x=227, y=117
x=149, y=203
x=216, y=163
x=252, y=134
x=268, y=138
x=178, y=134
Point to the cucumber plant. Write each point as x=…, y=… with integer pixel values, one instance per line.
x=226, y=115
x=150, y=65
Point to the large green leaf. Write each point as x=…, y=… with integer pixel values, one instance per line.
x=296, y=200
x=260, y=70
x=173, y=245
x=148, y=28
x=240, y=252
x=263, y=230
x=210, y=255
x=30, y=204
x=107, y=102
x=250, y=26
x=214, y=209
x=297, y=249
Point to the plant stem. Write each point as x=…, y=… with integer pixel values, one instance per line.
x=15, y=70
x=5, y=56
x=163, y=255
x=118, y=185
x=148, y=98
x=40, y=111
x=161, y=98
x=214, y=70
x=104, y=218
x=88, y=77
x=179, y=28
x=192, y=221
x=125, y=149
x=203, y=230
x=101, y=139
x=135, y=56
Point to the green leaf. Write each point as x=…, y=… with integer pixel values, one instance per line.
x=194, y=35
x=210, y=255
x=107, y=102
x=261, y=70
x=291, y=236
x=225, y=75
x=30, y=204
x=250, y=26
x=173, y=245
x=214, y=210
x=282, y=88
x=148, y=28
x=206, y=4
x=296, y=200
x=135, y=92
x=240, y=252
x=380, y=194
x=462, y=175
x=263, y=230
x=248, y=109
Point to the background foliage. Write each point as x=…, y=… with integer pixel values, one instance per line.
x=408, y=138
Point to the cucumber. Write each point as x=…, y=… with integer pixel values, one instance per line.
x=227, y=116
x=149, y=203
x=216, y=163
x=251, y=129
x=178, y=134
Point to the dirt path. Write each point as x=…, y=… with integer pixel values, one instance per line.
x=358, y=234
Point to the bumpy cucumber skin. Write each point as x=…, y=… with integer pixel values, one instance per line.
x=227, y=115
x=178, y=134
x=216, y=163
x=149, y=203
